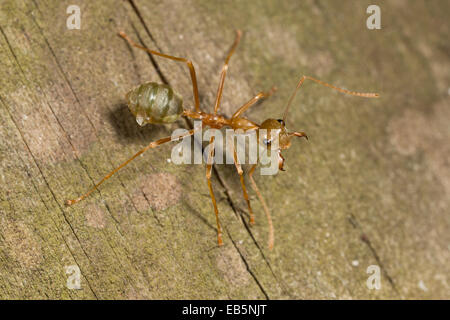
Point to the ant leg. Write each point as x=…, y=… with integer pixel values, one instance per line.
x=252, y=101
x=188, y=63
x=213, y=198
x=244, y=189
x=266, y=209
x=224, y=71
x=303, y=78
x=152, y=145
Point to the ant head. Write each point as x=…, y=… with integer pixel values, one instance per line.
x=275, y=130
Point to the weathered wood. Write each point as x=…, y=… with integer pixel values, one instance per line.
x=371, y=187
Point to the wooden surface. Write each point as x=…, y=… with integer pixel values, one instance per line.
x=371, y=187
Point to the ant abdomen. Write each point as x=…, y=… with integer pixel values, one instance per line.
x=152, y=102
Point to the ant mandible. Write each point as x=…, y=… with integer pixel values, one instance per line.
x=158, y=104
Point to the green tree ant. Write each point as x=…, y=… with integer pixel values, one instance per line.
x=158, y=104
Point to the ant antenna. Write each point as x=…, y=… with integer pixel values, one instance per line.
x=303, y=78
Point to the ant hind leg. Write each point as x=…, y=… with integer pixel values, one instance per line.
x=152, y=145
x=186, y=61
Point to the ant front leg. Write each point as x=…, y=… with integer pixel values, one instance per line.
x=252, y=101
x=211, y=192
x=244, y=189
x=266, y=209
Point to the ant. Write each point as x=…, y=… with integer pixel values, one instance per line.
x=159, y=104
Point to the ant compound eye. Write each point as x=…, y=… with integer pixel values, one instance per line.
x=281, y=121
